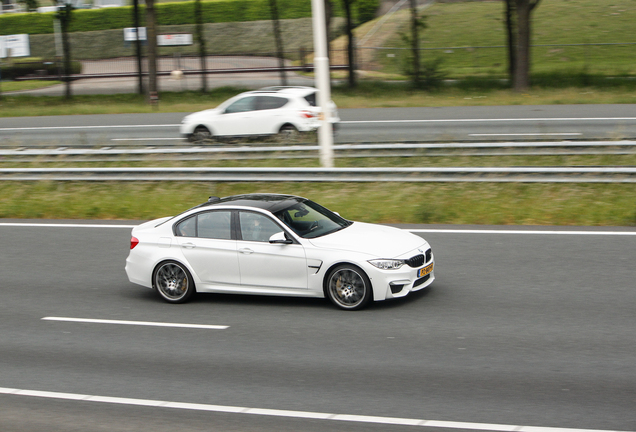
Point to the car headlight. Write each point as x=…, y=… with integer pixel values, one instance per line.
x=387, y=264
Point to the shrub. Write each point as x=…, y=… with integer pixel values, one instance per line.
x=33, y=66
x=174, y=14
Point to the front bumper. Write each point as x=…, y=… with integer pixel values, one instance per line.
x=388, y=284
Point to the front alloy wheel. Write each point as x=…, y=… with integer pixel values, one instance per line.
x=348, y=287
x=173, y=282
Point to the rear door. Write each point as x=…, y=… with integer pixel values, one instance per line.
x=270, y=114
x=207, y=243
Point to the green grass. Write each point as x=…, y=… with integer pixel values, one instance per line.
x=452, y=203
x=10, y=86
x=581, y=89
x=555, y=22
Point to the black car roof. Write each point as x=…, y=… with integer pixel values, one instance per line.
x=269, y=202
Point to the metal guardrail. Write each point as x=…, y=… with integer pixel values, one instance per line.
x=260, y=151
x=450, y=174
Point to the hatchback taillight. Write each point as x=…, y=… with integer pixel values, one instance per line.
x=133, y=242
x=307, y=114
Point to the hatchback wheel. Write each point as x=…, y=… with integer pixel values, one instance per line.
x=348, y=287
x=201, y=134
x=173, y=282
x=288, y=133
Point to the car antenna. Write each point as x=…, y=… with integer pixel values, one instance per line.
x=214, y=199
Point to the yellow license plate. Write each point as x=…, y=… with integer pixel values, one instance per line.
x=424, y=271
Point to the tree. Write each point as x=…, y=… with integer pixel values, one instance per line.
x=415, y=42
x=64, y=15
x=273, y=7
x=518, y=24
x=198, y=18
x=151, y=36
x=350, y=42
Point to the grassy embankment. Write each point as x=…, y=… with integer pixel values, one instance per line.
x=577, y=79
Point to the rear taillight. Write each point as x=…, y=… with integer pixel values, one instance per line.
x=133, y=242
x=307, y=114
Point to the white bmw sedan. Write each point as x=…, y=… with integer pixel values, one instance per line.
x=276, y=245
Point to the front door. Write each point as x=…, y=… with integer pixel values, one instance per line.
x=264, y=265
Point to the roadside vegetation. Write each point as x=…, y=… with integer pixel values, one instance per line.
x=431, y=203
x=581, y=74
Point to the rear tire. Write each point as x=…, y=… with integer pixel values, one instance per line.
x=173, y=282
x=288, y=133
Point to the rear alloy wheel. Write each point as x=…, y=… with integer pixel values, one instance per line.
x=201, y=134
x=288, y=133
x=348, y=287
x=173, y=282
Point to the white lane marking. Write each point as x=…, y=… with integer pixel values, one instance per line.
x=424, y=230
x=533, y=232
x=60, y=225
x=545, y=119
x=396, y=421
x=87, y=127
x=528, y=134
x=148, y=139
x=136, y=323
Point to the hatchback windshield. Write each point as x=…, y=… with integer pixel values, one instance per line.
x=310, y=220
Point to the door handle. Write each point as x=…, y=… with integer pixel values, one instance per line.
x=189, y=245
x=246, y=251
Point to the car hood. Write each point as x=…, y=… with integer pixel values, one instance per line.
x=378, y=241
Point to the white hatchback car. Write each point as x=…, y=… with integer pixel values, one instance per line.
x=269, y=111
x=276, y=245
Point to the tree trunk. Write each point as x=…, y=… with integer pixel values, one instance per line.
x=140, y=82
x=522, y=70
x=201, y=40
x=64, y=15
x=279, y=41
x=350, y=44
x=151, y=34
x=511, y=32
x=415, y=44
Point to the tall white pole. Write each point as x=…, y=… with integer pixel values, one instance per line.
x=323, y=83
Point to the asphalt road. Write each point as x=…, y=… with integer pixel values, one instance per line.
x=509, y=123
x=525, y=329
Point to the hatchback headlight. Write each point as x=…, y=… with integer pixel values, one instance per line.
x=387, y=264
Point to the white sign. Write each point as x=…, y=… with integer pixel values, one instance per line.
x=174, y=39
x=18, y=44
x=130, y=34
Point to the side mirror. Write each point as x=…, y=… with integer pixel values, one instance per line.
x=280, y=238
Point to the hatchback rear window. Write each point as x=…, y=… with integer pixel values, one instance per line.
x=311, y=99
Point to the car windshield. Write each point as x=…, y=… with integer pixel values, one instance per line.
x=310, y=220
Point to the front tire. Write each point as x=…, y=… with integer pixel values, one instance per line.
x=348, y=287
x=173, y=282
x=201, y=135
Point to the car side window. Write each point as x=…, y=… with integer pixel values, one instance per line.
x=242, y=105
x=270, y=102
x=257, y=227
x=215, y=225
x=187, y=228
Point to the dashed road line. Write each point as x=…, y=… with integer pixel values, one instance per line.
x=136, y=323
